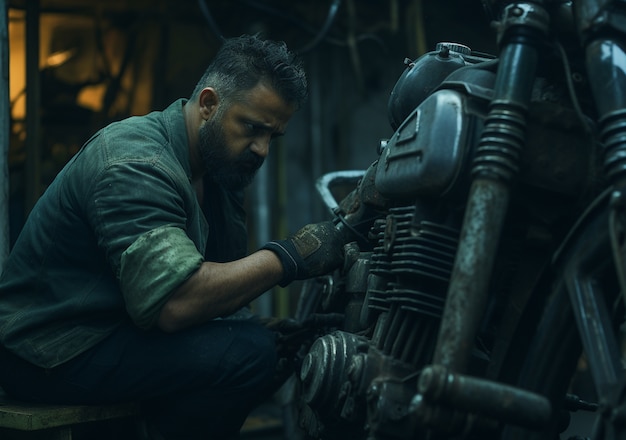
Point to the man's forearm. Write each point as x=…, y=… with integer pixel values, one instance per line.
x=218, y=289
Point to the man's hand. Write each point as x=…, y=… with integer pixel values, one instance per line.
x=314, y=250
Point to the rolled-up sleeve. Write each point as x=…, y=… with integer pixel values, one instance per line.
x=140, y=209
x=152, y=268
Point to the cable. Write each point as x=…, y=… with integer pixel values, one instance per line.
x=330, y=18
x=570, y=87
x=210, y=21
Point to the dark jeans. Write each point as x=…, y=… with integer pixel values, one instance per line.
x=197, y=384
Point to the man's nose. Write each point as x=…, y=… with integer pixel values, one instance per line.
x=261, y=146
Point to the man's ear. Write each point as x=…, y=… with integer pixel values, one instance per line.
x=208, y=102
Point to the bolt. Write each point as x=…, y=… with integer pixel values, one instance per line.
x=617, y=199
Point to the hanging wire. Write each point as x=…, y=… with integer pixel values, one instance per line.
x=310, y=29
x=330, y=18
x=321, y=35
x=317, y=39
x=210, y=21
x=585, y=122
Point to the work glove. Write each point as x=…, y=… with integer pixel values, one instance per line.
x=314, y=250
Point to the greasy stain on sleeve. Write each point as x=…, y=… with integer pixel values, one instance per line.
x=152, y=268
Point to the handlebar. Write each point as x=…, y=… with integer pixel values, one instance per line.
x=328, y=181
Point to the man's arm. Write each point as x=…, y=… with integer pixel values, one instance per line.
x=218, y=289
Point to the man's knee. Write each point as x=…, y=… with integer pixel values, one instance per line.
x=252, y=357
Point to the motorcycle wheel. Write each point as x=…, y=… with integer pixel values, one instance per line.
x=584, y=313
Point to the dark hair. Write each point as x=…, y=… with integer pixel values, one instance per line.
x=242, y=62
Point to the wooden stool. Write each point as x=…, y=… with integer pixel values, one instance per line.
x=55, y=422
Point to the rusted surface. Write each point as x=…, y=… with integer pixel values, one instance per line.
x=467, y=293
x=491, y=399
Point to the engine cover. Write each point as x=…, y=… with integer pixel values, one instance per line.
x=427, y=154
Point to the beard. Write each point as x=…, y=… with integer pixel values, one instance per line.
x=231, y=172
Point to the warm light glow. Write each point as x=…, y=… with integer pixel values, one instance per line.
x=17, y=63
x=91, y=97
x=69, y=50
x=58, y=58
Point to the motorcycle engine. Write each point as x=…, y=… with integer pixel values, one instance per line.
x=362, y=378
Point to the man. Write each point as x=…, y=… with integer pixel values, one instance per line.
x=115, y=288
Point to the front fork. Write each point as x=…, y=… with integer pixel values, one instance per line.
x=523, y=32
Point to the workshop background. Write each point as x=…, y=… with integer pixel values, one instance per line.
x=74, y=66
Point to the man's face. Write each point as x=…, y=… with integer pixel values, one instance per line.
x=235, y=141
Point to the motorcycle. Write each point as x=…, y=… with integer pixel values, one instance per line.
x=492, y=243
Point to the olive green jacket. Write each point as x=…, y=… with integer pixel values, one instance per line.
x=117, y=231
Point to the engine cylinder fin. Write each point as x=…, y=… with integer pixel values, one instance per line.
x=419, y=302
x=378, y=301
x=394, y=323
x=414, y=258
x=410, y=268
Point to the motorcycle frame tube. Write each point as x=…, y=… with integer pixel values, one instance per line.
x=487, y=206
x=490, y=400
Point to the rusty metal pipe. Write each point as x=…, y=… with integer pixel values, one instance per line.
x=495, y=167
x=485, y=398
